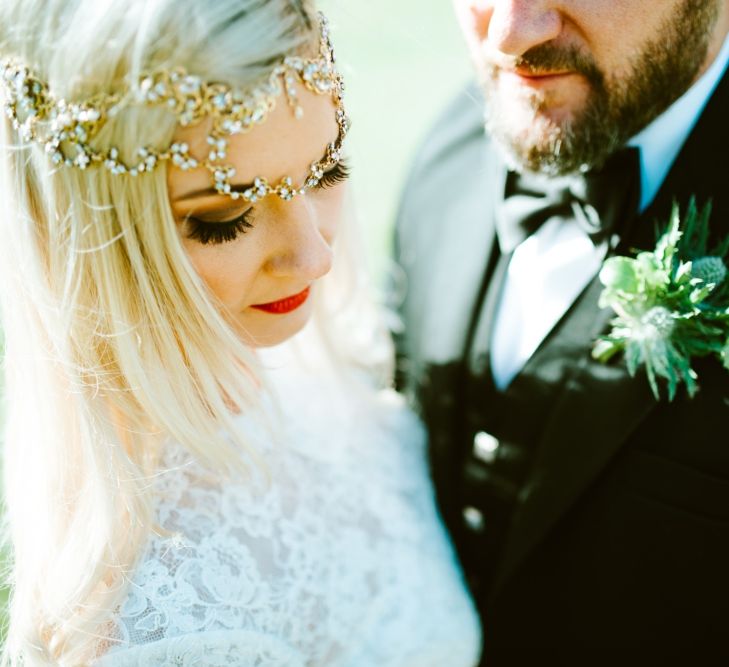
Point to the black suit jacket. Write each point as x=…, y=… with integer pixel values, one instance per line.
x=618, y=552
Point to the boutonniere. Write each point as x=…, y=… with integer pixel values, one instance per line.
x=672, y=304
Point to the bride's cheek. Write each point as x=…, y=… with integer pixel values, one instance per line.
x=228, y=271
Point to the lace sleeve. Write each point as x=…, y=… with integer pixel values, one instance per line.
x=219, y=648
x=340, y=561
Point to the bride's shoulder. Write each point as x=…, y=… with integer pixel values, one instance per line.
x=393, y=414
x=328, y=399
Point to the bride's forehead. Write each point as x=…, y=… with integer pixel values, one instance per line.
x=284, y=144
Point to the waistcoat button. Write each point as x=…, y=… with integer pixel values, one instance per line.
x=474, y=519
x=485, y=447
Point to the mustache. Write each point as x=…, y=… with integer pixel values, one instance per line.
x=549, y=57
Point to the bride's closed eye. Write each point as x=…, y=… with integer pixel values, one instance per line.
x=212, y=232
x=215, y=232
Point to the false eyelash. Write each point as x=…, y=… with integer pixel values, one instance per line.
x=219, y=232
x=340, y=173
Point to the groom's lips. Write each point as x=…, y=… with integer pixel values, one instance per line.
x=536, y=79
x=286, y=305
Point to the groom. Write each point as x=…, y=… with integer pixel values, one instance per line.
x=592, y=520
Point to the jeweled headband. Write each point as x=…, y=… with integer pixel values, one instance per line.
x=66, y=129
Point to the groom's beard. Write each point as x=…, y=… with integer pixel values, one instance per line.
x=615, y=109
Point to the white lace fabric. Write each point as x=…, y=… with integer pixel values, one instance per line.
x=340, y=562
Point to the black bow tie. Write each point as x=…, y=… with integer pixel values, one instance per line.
x=601, y=201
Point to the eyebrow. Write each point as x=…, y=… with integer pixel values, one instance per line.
x=211, y=191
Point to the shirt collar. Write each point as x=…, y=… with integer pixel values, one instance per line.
x=661, y=141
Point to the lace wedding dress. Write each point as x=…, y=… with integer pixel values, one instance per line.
x=340, y=561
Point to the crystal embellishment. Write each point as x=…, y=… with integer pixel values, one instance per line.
x=66, y=129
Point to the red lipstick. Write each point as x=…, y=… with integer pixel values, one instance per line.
x=286, y=305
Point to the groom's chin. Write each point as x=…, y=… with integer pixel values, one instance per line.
x=528, y=141
x=544, y=134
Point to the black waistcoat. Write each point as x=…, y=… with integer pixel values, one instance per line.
x=498, y=429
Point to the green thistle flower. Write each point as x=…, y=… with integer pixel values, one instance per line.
x=711, y=270
x=672, y=304
x=658, y=323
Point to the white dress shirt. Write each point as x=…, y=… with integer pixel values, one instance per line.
x=548, y=270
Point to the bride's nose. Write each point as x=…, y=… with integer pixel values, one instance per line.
x=302, y=249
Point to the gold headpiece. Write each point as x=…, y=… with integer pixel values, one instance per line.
x=66, y=129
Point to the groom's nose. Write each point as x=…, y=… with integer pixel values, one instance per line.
x=515, y=26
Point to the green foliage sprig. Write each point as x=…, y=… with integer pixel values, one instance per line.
x=672, y=304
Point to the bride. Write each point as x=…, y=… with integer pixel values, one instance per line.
x=192, y=475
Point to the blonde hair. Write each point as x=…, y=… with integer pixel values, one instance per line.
x=112, y=341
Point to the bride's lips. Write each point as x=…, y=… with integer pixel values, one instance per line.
x=286, y=305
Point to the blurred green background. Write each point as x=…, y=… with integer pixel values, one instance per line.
x=402, y=61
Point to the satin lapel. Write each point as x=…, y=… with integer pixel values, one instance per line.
x=479, y=357
x=599, y=404
x=478, y=347
x=456, y=270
